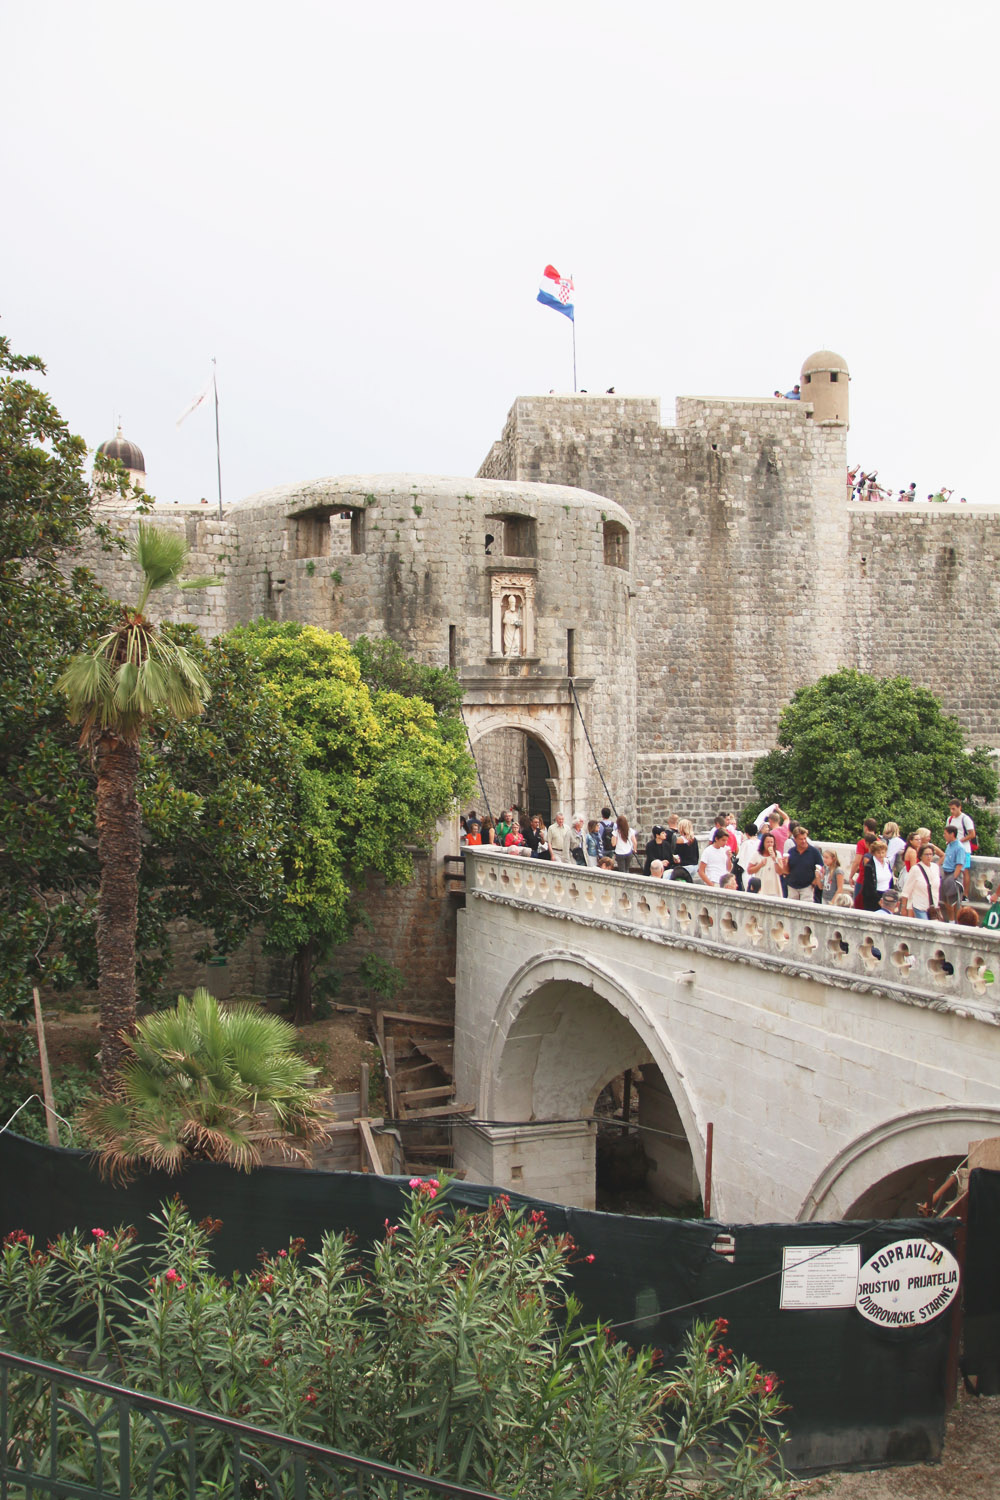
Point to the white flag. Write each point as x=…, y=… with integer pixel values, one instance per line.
x=201, y=396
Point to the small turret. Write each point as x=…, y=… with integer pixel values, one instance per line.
x=824, y=383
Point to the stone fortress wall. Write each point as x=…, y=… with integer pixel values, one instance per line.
x=753, y=575
x=688, y=579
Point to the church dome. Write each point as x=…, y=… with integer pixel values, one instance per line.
x=127, y=453
x=824, y=359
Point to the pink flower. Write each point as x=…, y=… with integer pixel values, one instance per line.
x=415, y=1182
x=310, y=1396
x=431, y=1192
x=99, y=1234
x=171, y=1275
x=769, y=1384
x=589, y=1259
x=282, y=1254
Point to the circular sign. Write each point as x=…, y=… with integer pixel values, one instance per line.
x=906, y=1284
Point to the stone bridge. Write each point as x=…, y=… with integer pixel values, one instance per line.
x=843, y=1058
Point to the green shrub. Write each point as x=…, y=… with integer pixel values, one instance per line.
x=453, y=1351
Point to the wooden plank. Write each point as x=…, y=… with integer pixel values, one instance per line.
x=442, y=1054
x=442, y=1109
x=368, y=1143
x=43, y=1058
x=394, y=1015
x=406, y=1015
x=389, y=1054
x=415, y=1096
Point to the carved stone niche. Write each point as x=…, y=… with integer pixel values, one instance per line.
x=512, y=631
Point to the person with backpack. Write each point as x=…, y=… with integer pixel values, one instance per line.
x=955, y=872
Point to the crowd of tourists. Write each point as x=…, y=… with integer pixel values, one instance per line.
x=772, y=856
x=862, y=486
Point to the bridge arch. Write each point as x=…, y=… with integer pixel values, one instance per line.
x=564, y=1028
x=849, y=1186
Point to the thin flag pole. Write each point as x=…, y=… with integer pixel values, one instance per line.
x=574, y=344
x=218, y=451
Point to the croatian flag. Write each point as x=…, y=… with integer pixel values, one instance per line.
x=556, y=291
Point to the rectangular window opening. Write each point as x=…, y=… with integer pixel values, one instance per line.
x=452, y=647
x=570, y=653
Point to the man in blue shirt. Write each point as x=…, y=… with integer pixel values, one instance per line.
x=956, y=866
x=801, y=864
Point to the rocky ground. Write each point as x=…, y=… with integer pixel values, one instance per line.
x=969, y=1468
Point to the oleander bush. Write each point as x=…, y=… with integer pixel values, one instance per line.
x=453, y=1350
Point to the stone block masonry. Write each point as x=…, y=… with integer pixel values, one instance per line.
x=688, y=579
x=739, y=566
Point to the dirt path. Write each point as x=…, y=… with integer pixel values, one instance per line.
x=969, y=1470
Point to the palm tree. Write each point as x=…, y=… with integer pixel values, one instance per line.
x=133, y=673
x=205, y=1084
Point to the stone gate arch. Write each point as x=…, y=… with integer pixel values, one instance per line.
x=925, y=1135
x=564, y=1027
x=549, y=732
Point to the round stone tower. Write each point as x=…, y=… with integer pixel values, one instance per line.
x=824, y=383
x=127, y=453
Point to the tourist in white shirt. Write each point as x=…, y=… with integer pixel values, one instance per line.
x=717, y=860
x=558, y=835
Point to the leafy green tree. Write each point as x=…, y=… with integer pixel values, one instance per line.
x=217, y=794
x=385, y=667
x=852, y=746
x=48, y=610
x=134, y=672
x=377, y=769
x=203, y=1084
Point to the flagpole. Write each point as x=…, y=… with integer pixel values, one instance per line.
x=573, y=320
x=218, y=453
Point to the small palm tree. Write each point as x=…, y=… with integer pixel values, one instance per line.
x=132, y=673
x=205, y=1084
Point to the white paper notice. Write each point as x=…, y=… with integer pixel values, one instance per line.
x=819, y=1276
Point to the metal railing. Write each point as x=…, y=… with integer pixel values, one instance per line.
x=63, y=1434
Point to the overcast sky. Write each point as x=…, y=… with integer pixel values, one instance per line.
x=350, y=207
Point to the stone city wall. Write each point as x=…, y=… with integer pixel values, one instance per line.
x=925, y=604
x=732, y=509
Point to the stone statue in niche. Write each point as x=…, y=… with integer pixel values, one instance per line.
x=512, y=616
x=513, y=626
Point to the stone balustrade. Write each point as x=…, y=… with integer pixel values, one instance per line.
x=931, y=964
